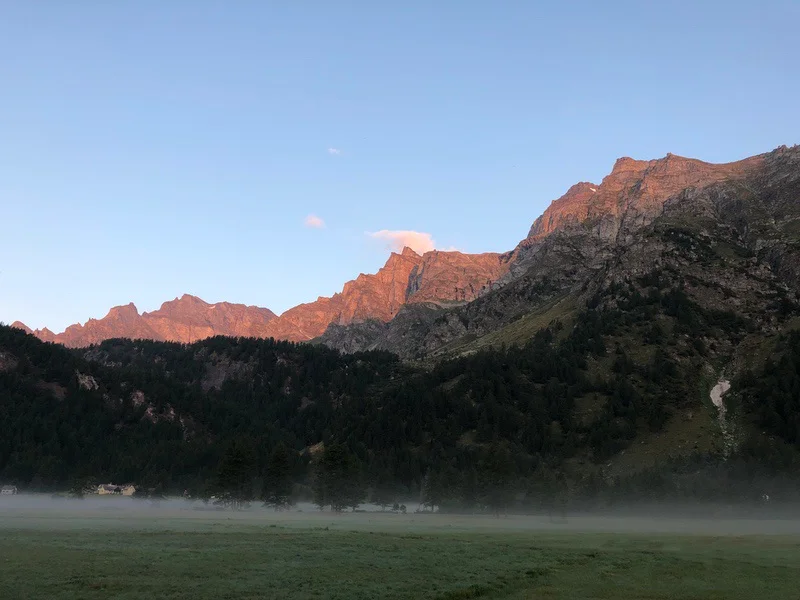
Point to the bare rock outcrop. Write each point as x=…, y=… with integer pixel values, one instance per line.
x=673, y=213
x=441, y=277
x=417, y=303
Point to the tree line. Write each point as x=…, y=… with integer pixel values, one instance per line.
x=503, y=426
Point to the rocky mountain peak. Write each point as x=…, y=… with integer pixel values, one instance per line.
x=126, y=311
x=567, y=208
x=636, y=190
x=181, y=305
x=626, y=164
x=397, y=260
x=589, y=219
x=408, y=252
x=446, y=277
x=43, y=334
x=405, y=277
x=46, y=335
x=21, y=325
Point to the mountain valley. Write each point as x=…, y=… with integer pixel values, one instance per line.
x=578, y=364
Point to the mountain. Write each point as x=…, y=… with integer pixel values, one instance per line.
x=185, y=319
x=637, y=218
x=576, y=414
x=440, y=278
x=435, y=277
x=634, y=192
x=588, y=362
x=728, y=233
x=160, y=412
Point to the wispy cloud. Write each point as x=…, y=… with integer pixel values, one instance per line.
x=334, y=151
x=314, y=222
x=418, y=241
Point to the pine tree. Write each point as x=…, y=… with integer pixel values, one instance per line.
x=82, y=486
x=336, y=479
x=497, y=474
x=234, y=480
x=469, y=490
x=432, y=490
x=384, y=490
x=278, y=481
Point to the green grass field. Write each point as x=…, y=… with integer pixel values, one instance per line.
x=223, y=555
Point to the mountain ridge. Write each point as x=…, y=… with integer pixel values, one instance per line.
x=596, y=217
x=670, y=207
x=406, y=277
x=590, y=357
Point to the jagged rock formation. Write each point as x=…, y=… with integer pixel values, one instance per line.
x=443, y=278
x=454, y=276
x=633, y=193
x=629, y=197
x=407, y=277
x=595, y=233
x=631, y=305
x=377, y=296
x=185, y=319
x=732, y=227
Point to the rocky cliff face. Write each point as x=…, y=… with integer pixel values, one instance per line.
x=454, y=276
x=376, y=296
x=419, y=304
x=185, y=319
x=440, y=277
x=407, y=277
x=627, y=199
x=726, y=226
x=633, y=193
x=43, y=334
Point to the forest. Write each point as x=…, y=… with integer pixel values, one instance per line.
x=258, y=419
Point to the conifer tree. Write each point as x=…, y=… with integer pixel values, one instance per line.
x=234, y=480
x=277, y=490
x=336, y=479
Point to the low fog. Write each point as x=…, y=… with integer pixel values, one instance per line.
x=42, y=511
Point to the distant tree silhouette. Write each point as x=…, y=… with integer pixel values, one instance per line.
x=277, y=490
x=234, y=479
x=336, y=479
x=384, y=490
x=82, y=486
x=497, y=472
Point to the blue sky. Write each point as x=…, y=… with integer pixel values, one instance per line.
x=150, y=149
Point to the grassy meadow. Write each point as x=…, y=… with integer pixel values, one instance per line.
x=102, y=554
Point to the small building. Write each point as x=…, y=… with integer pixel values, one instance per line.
x=106, y=489
x=128, y=489
x=9, y=490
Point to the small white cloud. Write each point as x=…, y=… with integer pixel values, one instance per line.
x=314, y=222
x=334, y=151
x=418, y=241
